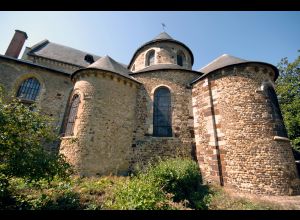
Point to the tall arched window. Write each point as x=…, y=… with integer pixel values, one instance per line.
x=29, y=89
x=180, y=58
x=72, y=115
x=150, y=58
x=276, y=113
x=162, y=119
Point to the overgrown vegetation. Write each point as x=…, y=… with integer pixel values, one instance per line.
x=23, y=133
x=160, y=187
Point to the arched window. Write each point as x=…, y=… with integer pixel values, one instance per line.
x=72, y=115
x=162, y=120
x=180, y=58
x=276, y=113
x=29, y=89
x=150, y=58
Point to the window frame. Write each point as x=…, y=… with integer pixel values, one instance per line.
x=33, y=91
x=160, y=110
x=70, y=124
x=183, y=58
x=150, y=53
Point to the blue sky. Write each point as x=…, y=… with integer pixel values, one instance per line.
x=260, y=36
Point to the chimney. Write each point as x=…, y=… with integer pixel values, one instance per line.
x=16, y=44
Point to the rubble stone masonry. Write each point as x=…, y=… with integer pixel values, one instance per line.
x=103, y=130
x=236, y=136
x=145, y=146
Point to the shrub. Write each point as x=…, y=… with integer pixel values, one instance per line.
x=23, y=134
x=182, y=178
x=140, y=194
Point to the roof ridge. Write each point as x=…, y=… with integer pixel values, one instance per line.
x=39, y=45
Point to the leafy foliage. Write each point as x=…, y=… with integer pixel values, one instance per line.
x=182, y=178
x=23, y=134
x=288, y=91
x=138, y=194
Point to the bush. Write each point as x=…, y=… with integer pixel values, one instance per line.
x=23, y=134
x=182, y=178
x=137, y=194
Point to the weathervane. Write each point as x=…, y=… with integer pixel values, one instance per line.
x=163, y=26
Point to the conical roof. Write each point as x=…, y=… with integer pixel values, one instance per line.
x=221, y=62
x=109, y=64
x=228, y=60
x=163, y=35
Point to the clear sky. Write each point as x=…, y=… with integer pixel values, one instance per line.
x=259, y=36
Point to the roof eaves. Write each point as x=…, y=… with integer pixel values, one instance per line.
x=151, y=70
x=92, y=68
x=247, y=62
x=33, y=64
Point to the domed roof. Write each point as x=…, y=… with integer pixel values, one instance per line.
x=108, y=64
x=162, y=37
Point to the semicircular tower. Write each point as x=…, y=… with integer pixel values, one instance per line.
x=102, y=120
x=164, y=105
x=240, y=135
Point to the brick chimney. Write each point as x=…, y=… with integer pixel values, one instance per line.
x=16, y=44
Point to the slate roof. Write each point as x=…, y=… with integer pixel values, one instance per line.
x=162, y=37
x=47, y=49
x=109, y=64
x=228, y=60
x=220, y=62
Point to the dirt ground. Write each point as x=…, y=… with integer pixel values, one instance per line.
x=282, y=202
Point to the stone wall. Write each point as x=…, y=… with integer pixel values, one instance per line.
x=103, y=132
x=235, y=137
x=165, y=53
x=145, y=146
x=54, y=92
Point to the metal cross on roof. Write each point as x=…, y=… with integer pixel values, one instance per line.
x=163, y=26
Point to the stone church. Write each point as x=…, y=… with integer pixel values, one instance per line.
x=113, y=116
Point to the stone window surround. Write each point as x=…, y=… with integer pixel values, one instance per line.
x=261, y=90
x=150, y=129
x=19, y=82
x=79, y=111
x=148, y=53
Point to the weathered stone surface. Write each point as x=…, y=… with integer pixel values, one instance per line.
x=54, y=92
x=145, y=146
x=165, y=53
x=224, y=121
x=104, y=126
x=251, y=160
